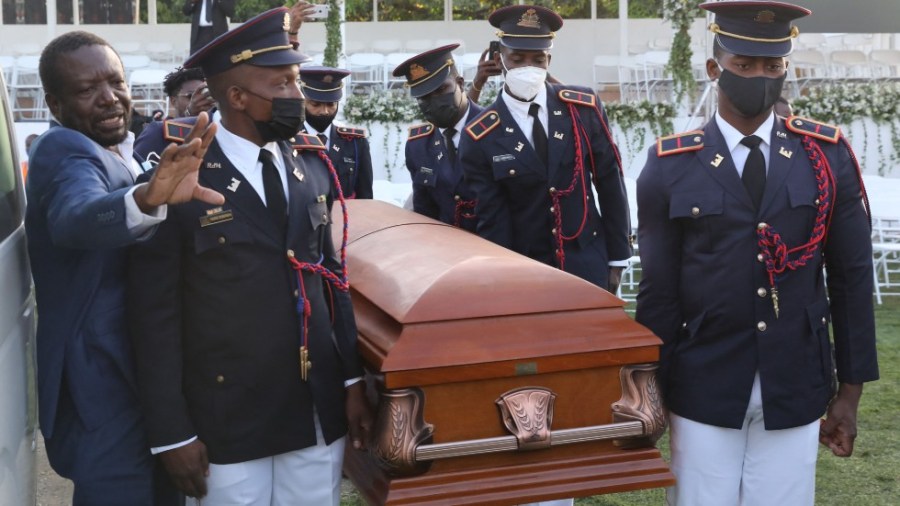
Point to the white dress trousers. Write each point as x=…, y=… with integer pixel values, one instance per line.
x=715, y=466
x=307, y=477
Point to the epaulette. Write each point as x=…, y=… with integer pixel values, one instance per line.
x=483, y=124
x=417, y=131
x=176, y=131
x=679, y=143
x=307, y=141
x=813, y=128
x=351, y=132
x=578, y=98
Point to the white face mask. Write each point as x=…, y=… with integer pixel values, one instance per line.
x=524, y=82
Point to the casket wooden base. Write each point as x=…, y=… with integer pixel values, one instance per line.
x=581, y=476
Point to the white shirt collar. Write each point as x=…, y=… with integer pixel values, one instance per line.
x=519, y=109
x=244, y=155
x=733, y=137
x=313, y=131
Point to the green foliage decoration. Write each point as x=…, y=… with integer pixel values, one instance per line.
x=681, y=13
x=333, y=42
x=631, y=118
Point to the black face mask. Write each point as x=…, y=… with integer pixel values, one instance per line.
x=288, y=115
x=441, y=110
x=320, y=122
x=751, y=96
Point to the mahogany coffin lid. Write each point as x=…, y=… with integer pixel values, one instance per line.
x=431, y=296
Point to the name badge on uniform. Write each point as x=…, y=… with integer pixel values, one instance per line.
x=349, y=160
x=503, y=158
x=216, y=215
x=426, y=171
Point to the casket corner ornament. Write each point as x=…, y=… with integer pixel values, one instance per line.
x=641, y=401
x=399, y=429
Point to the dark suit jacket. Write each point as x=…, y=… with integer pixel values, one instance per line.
x=438, y=185
x=513, y=187
x=76, y=229
x=213, y=311
x=222, y=9
x=706, y=294
x=349, y=152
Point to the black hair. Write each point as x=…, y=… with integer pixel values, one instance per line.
x=50, y=66
x=176, y=79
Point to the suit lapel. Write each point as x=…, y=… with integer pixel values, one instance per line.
x=559, y=134
x=784, y=151
x=716, y=159
x=219, y=174
x=515, y=142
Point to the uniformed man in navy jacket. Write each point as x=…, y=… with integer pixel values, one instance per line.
x=736, y=222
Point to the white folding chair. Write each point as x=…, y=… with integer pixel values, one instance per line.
x=129, y=47
x=606, y=72
x=386, y=46
x=810, y=67
x=25, y=90
x=147, y=93
x=366, y=70
x=419, y=45
x=850, y=64
x=886, y=256
x=885, y=63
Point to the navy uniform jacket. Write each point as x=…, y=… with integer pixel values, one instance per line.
x=76, y=229
x=439, y=190
x=706, y=293
x=515, y=191
x=349, y=152
x=156, y=135
x=212, y=309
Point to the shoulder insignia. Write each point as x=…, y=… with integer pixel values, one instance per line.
x=578, y=97
x=307, y=141
x=679, y=143
x=417, y=131
x=480, y=127
x=813, y=128
x=351, y=132
x=176, y=131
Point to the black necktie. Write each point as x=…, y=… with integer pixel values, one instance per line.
x=448, y=138
x=209, y=8
x=274, y=188
x=539, y=137
x=323, y=139
x=754, y=176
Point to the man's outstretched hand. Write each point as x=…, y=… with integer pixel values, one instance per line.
x=175, y=178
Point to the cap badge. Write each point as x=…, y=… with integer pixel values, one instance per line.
x=287, y=21
x=417, y=72
x=328, y=79
x=764, y=17
x=529, y=19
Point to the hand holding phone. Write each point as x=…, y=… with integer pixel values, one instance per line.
x=319, y=11
x=493, y=48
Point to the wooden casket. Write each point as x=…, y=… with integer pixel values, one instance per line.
x=498, y=379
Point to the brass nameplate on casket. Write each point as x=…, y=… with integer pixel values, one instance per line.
x=499, y=380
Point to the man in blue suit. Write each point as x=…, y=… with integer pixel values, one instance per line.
x=736, y=223
x=533, y=155
x=432, y=158
x=83, y=210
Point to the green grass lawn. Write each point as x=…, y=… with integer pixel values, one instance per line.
x=871, y=477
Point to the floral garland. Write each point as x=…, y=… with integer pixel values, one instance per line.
x=392, y=108
x=681, y=13
x=333, y=42
x=631, y=117
x=842, y=103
